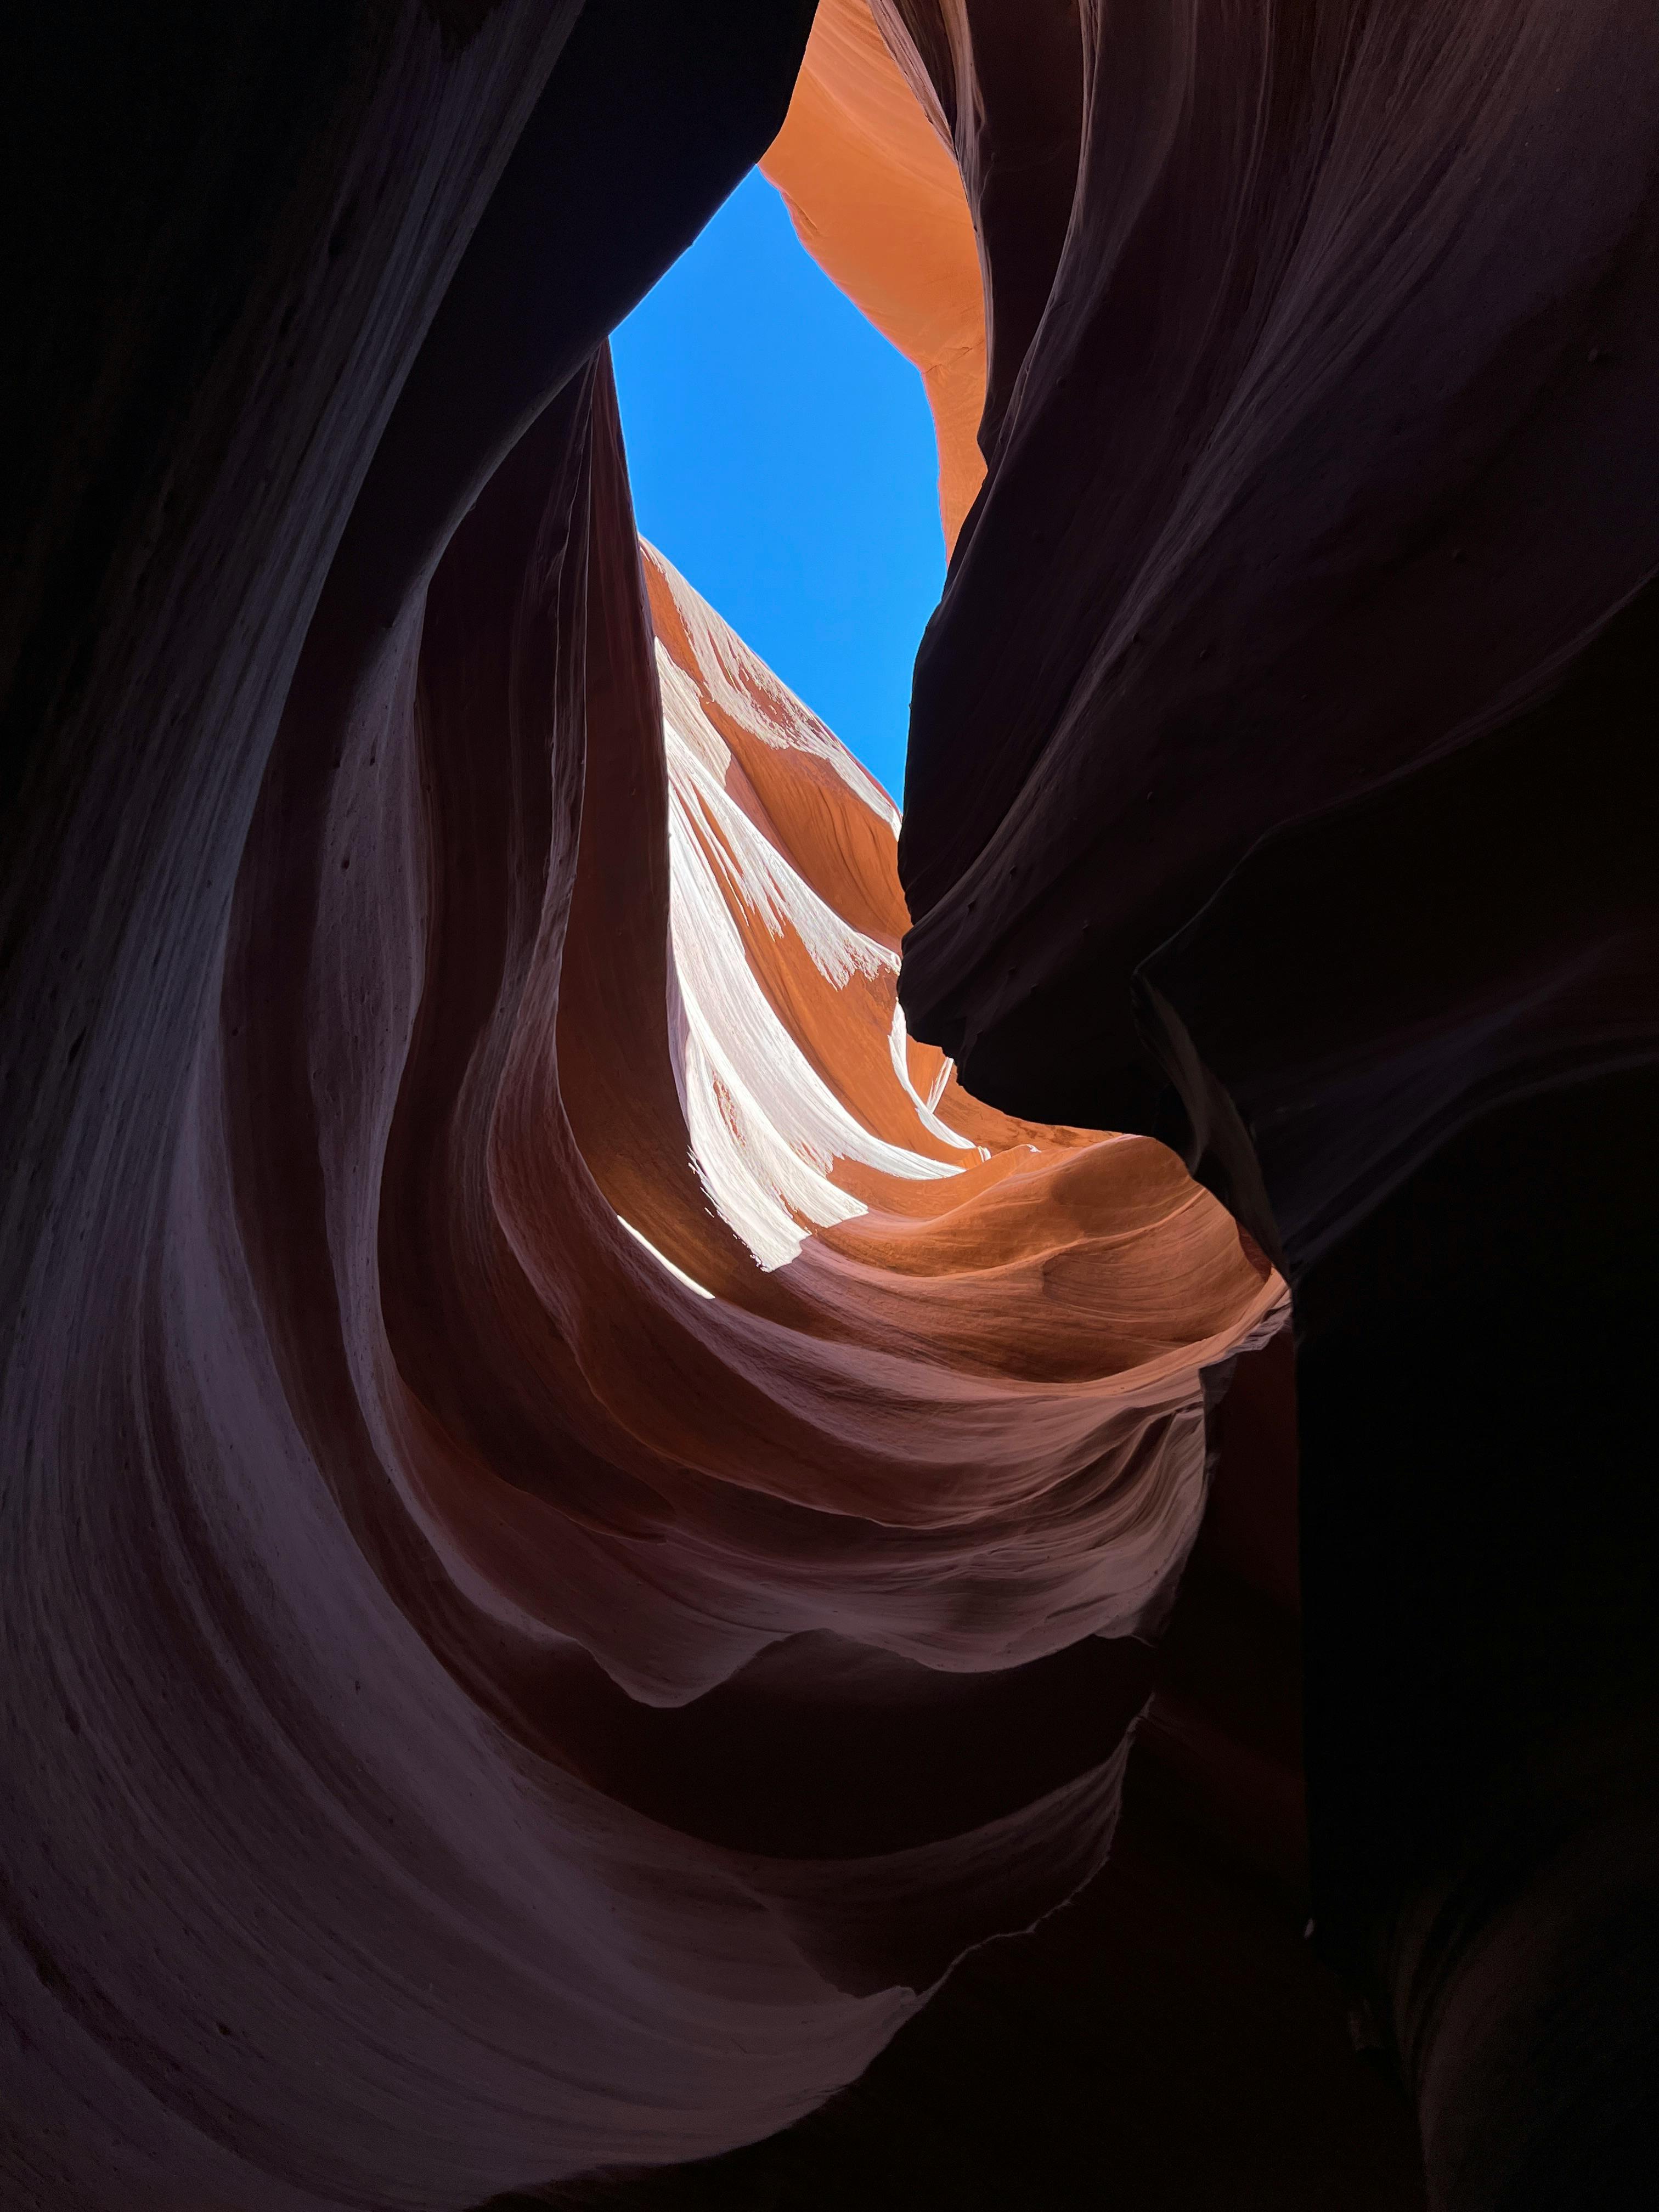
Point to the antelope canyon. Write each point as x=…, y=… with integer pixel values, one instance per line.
x=712, y=1499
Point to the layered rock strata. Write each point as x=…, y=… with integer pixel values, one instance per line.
x=583, y=1520
x=581, y=1517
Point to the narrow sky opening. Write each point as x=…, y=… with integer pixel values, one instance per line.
x=782, y=456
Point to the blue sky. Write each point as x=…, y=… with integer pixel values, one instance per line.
x=782, y=456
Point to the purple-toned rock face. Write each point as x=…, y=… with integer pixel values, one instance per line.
x=586, y=1513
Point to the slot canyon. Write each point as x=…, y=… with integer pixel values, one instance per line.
x=716, y=1500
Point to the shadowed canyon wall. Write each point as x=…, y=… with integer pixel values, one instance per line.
x=1281, y=782
x=584, y=1515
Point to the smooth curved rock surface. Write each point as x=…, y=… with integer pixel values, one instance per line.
x=1281, y=782
x=580, y=1519
x=1327, y=463
x=865, y=164
x=583, y=1520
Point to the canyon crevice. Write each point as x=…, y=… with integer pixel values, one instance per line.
x=642, y=1405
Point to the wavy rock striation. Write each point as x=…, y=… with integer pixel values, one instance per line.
x=583, y=1518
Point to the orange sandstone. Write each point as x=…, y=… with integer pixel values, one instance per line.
x=875, y=193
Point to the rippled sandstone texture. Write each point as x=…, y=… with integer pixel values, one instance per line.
x=579, y=1519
